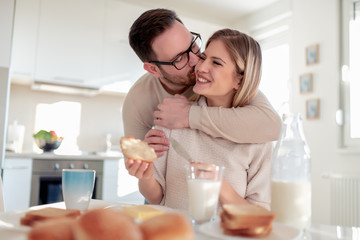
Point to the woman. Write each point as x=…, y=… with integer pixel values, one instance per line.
x=227, y=75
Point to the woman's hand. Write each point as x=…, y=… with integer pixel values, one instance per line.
x=139, y=169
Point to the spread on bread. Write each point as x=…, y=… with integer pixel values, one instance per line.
x=141, y=211
x=246, y=220
x=136, y=149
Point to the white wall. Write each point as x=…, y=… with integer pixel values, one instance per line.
x=317, y=22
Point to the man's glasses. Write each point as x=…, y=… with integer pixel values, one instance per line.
x=182, y=59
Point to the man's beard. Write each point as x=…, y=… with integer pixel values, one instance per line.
x=177, y=80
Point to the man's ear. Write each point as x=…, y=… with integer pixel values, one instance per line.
x=152, y=69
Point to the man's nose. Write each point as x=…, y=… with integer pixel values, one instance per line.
x=193, y=59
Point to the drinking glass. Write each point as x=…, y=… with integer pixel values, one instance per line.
x=204, y=183
x=77, y=188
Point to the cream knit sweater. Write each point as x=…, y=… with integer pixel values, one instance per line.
x=247, y=166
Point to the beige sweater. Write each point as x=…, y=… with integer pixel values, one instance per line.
x=247, y=166
x=254, y=123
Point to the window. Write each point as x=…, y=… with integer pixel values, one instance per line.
x=274, y=38
x=350, y=83
x=64, y=118
x=275, y=77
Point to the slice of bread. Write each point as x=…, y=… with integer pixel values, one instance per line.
x=246, y=220
x=47, y=213
x=136, y=149
x=53, y=229
x=257, y=232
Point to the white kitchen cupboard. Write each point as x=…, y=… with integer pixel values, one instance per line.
x=120, y=61
x=17, y=183
x=70, y=42
x=118, y=185
x=24, y=39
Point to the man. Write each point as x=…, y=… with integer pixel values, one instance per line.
x=170, y=52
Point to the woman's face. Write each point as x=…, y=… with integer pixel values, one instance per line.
x=215, y=75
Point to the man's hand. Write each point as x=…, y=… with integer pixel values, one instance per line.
x=157, y=140
x=173, y=113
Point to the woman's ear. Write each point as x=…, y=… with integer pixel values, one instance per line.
x=152, y=69
x=237, y=82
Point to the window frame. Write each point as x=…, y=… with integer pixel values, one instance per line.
x=344, y=113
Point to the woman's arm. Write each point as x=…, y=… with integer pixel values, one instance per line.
x=228, y=195
x=151, y=190
x=148, y=186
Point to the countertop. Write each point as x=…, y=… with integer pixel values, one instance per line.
x=84, y=156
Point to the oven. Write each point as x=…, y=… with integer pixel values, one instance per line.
x=47, y=174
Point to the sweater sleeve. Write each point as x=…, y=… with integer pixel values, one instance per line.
x=134, y=123
x=160, y=166
x=256, y=122
x=139, y=105
x=258, y=189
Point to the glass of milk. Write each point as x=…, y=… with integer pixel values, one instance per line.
x=204, y=182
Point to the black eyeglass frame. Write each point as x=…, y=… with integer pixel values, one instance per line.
x=197, y=35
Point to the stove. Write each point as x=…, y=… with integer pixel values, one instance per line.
x=46, y=178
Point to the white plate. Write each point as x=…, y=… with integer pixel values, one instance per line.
x=10, y=227
x=279, y=232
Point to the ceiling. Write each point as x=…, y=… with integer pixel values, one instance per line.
x=222, y=12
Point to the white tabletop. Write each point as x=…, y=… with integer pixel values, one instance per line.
x=11, y=229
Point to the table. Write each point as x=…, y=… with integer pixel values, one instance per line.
x=11, y=230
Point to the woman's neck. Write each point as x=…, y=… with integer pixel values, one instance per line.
x=215, y=101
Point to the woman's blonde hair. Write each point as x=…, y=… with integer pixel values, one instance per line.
x=246, y=54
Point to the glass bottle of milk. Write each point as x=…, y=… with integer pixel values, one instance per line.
x=291, y=183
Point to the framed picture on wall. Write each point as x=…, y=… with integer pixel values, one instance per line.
x=313, y=108
x=312, y=54
x=306, y=85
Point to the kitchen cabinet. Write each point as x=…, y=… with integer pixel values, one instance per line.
x=24, y=39
x=17, y=183
x=120, y=61
x=81, y=43
x=70, y=42
x=118, y=185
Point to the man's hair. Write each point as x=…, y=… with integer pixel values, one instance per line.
x=146, y=28
x=246, y=54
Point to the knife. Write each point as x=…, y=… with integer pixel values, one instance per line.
x=180, y=149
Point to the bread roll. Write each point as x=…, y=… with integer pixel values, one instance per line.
x=168, y=226
x=136, y=149
x=53, y=229
x=246, y=220
x=104, y=224
x=47, y=213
